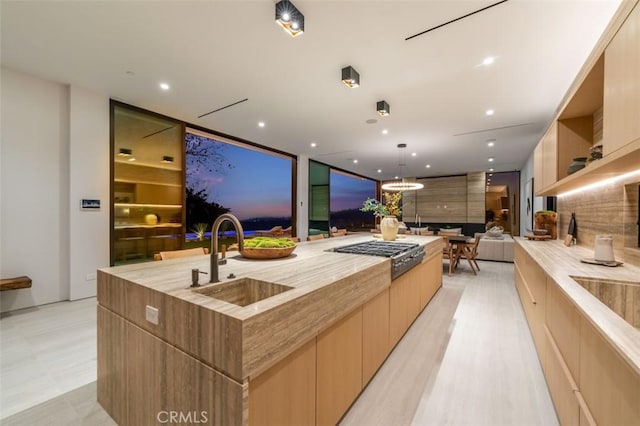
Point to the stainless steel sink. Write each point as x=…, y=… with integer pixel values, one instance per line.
x=243, y=291
x=622, y=297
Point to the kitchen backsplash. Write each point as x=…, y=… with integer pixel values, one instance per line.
x=612, y=209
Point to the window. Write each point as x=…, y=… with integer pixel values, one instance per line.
x=347, y=193
x=253, y=184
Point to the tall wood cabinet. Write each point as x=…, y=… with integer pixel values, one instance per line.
x=602, y=107
x=622, y=85
x=148, y=184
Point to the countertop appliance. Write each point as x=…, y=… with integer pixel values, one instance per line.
x=404, y=256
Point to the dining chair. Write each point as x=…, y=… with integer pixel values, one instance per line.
x=164, y=255
x=470, y=252
x=447, y=253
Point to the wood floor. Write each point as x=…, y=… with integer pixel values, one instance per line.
x=467, y=360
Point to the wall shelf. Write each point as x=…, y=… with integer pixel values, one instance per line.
x=622, y=161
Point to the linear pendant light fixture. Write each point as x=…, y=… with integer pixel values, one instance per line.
x=402, y=185
x=289, y=18
x=350, y=77
x=383, y=108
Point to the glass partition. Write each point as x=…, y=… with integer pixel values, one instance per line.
x=147, y=189
x=318, y=198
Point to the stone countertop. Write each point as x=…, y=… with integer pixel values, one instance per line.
x=561, y=263
x=244, y=341
x=311, y=266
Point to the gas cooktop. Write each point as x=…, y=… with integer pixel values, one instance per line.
x=378, y=248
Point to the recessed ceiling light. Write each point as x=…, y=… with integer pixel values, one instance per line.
x=286, y=17
x=355, y=161
x=131, y=159
x=428, y=166
x=489, y=112
x=490, y=174
x=385, y=131
x=490, y=159
x=488, y=60
x=313, y=144
x=490, y=144
x=165, y=86
x=413, y=154
x=396, y=177
x=490, y=170
x=379, y=171
x=260, y=123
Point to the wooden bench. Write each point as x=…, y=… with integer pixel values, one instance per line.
x=15, y=283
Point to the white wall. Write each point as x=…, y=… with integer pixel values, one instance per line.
x=51, y=154
x=526, y=173
x=89, y=178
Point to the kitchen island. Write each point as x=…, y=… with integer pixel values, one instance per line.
x=299, y=356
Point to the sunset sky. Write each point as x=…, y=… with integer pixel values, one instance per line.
x=259, y=184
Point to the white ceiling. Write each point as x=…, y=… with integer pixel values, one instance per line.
x=214, y=53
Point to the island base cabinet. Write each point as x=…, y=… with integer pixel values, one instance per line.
x=609, y=387
x=285, y=395
x=145, y=381
x=375, y=335
x=430, y=278
x=410, y=293
x=339, y=368
x=561, y=385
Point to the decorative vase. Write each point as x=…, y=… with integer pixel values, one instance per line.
x=578, y=163
x=151, y=219
x=389, y=228
x=548, y=221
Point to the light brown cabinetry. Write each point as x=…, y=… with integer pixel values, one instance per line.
x=563, y=322
x=606, y=93
x=375, y=335
x=430, y=278
x=561, y=385
x=410, y=293
x=285, y=395
x=609, y=387
x=622, y=85
x=531, y=284
x=589, y=382
x=145, y=378
x=398, y=315
x=339, y=368
x=546, y=158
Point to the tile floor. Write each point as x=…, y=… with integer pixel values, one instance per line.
x=467, y=360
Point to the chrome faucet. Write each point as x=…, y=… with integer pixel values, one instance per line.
x=214, y=242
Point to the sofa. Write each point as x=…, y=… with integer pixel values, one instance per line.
x=498, y=249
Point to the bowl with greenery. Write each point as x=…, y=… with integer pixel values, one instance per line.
x=267, y=248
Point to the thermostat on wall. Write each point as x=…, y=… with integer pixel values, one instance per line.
x=91, y=205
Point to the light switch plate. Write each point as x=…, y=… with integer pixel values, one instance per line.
x=152, y=315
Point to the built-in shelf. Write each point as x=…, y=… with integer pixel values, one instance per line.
x=155, y=206
x=130, y=181
x=622, y=161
